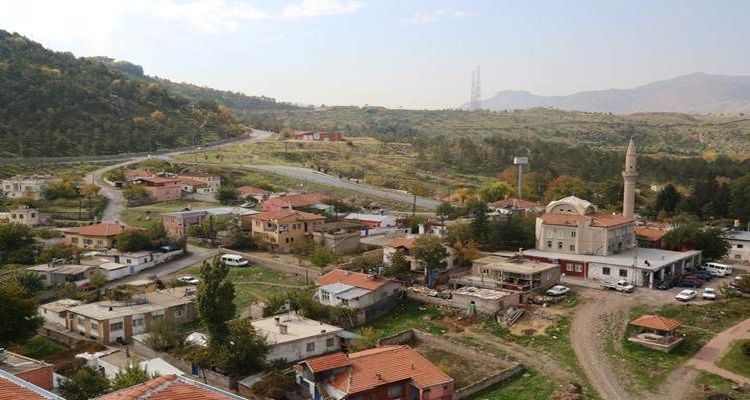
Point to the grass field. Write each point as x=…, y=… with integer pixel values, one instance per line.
x=40, y=348
x=146, y=216
x=714, y=384
x=529, y=385
x=408, y=315
x=735, y=360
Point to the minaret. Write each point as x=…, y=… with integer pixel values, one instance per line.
x=629, y=175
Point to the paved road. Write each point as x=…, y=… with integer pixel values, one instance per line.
x=197, y=255
x=318, y=177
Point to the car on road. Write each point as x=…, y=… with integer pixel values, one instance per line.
x=709, y=293
x=686, y=295
x=190, y=280
x=234, y=260
x=558, y=290
x=665, y=284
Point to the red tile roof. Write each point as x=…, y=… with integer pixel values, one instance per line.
x=325, y=363
x=104, y=229
x=282, y=214
x=158, y=180
x=252, y=191
x=12, y=391
x=167, y=387
x=406, y=243
x=356, y=279
x=383, y=365
x=512, y=202
x=651, y=233
x=600, y=220
x=656, y=322
x=294, y=200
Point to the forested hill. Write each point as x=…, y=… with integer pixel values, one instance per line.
x=54, y=104
x=238, y=103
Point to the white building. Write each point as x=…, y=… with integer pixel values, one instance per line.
x=23, y=215
x=31, y=187
x=373, y=220
x=56, y=312
x=370, y=296
x=740, y=246
x=292, y=337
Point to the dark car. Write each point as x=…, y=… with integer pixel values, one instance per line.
x=703, y=275
x=691, y=283
x=665, y=284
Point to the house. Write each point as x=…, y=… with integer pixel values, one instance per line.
x=483, y=300
x=318, y=136
x=207, y=183
x=15, y=388
x=258, y=194
x=406, y=245
x=23, y=215
x=116, y=264
x=37, y=373
x=98, y=236
x=31, y=187
x=368, y=295
x=372, y=221
x=656, y=332
x=386, y=372
x=339, y=237
x=509, y=273
x=56, y=312
x=293, y=201
x=193, y=186
x=135, y=174
x=512, y=204
x=284, y=227
x=61, y=274
x=739, y=242
x=111, y=321
x=177, y=224
x=292, y=337
x=161, y=189
x=170, y=387
x=650, y=235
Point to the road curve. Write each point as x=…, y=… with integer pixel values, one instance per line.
x=318, y=177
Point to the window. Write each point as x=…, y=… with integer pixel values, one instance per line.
x=549, y=244
x=330, y=342
x=573, y=234
x=94, y=325
x=81, y=321
x=395, y=391
x=117, y=326
x=87, y=241
x=739, y=246
x=138, y=322
x=325, y=296
x=605, y=271
x=311, y=347
x=74, y=240
x=570, y=267
x=178, y=313
x=158, y=317
x=572, y=247
x=623, y=273
x=559, y=245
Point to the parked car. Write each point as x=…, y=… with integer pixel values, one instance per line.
x=686, y=295
x=705, y=275
x=190, y=280
x=691, y=282
x=717, y=269
x=621, y=286
x=234, y=260
x=558, y=290
x=709, y=293
x=665, y=284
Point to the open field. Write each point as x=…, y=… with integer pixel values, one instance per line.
x=710, y=384
x=145, y=216
x=735, y=360
x=529, y=385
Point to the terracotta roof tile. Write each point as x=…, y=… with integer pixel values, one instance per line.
x=650, y=233
x=294, y=200
x=252, y=191
x=656, y=322
x=406, y=243
x=282, y=214
x=103, y=229
x=356, y=279
x=12, y=391
x=325, y=363
x=383, y=365
x=167, y=387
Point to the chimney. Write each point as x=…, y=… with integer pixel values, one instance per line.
x=283, y=329
x=278, y=320
x=322, y=331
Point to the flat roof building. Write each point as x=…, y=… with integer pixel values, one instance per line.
x=513, y=273
x=292, y=337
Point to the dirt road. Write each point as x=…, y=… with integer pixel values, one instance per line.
x=711, y=353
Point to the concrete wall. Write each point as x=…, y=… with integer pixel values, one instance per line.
x=297, y=350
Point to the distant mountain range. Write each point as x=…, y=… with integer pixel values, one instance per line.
x=697, y=93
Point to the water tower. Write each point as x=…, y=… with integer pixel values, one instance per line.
x=521, y=162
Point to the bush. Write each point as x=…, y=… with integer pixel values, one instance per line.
x=746, y=349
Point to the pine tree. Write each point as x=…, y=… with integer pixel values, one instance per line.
x=216, y=300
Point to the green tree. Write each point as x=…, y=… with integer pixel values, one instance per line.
x=15, y=237
x=164, y=335
x=132, y=374
x=322, y=256
x=276, y=386
x=430, y=251
x=244, y=352
x=694, y=235
x=238, y=240
x=98, y=280
x=399, y=267
x=460, y=232
x=30, y=281
x=18, y=313
x=367, y=338
x=60, y=190
x=133, y=240
x=740, y=207
x=84, y=384
x=667, y=199
x=492, y=191
x=216, y=300
x=564, y=186
x=58, y=251
x=136, y=194
x=227, y=195
x=479, y=226
x=466, y=252
x=609, y=193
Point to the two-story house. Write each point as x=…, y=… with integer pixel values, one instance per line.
x=283, y=228
x=367, y=294
x=101, y=236
x=161, y=189
x=31, y=187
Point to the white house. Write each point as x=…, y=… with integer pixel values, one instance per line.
x=372, y=221
x=56, y=312
x=740, y=246
x=292, y=337
x=367, y=294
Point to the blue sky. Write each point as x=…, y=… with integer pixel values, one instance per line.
x=411, y=54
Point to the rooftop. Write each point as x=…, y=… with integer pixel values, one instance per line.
x=406, y=243
x=148, y=302
x=198, y=174
x=515, y=203
x=515, y=264
x=14, y=388
x=170, y=387
x=738, y=235
x=103, y=229
x=356, y=279
x=216, y=211
x=656, y=258
x=651, y=233
x=656, y=322
x=297, y=328
x=368, y=217
x=252, y=191
x=158, y=180
x=17, y=364
x=294, y=200
x=599, y=220
x=484, y=294
x=61, y=305
x=63, y=269
x=282, y=214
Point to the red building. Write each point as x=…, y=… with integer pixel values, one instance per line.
x=382, y=373
x=318, y=136
x=38, y=373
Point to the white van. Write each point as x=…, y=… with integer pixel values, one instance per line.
x=233, y=260
x=717, y=269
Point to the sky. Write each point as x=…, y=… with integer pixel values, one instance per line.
x=397, y=53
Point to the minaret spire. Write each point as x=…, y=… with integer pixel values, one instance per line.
x=629, y=174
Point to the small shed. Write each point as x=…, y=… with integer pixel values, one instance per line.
x=656, y=332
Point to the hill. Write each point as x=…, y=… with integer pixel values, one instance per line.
x=698, y=93
x=54, y=104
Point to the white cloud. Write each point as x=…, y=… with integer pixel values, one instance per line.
x=316, y=8
x=424, y=17
x=212, y=16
